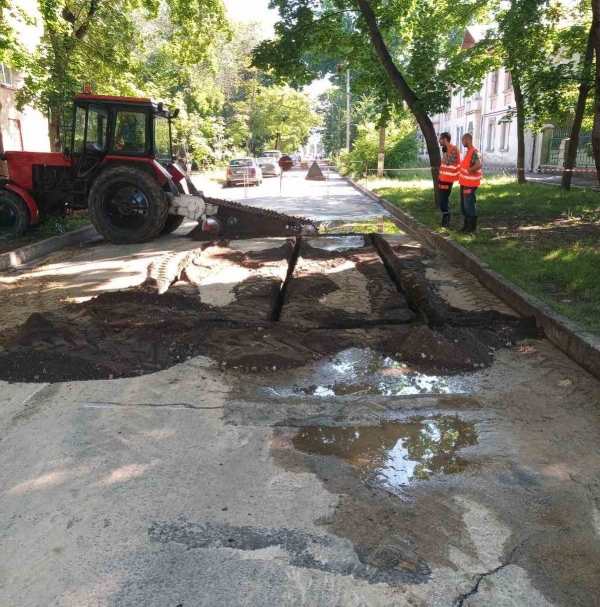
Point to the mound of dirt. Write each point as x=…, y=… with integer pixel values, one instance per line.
x=333, y=302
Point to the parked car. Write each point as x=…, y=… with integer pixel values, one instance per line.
x=272, y=154
x=269, y=166
x=242, y=171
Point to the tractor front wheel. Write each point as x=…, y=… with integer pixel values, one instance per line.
x=127, y=205
x=14, y=215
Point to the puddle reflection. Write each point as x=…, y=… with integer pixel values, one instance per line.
x=369, y=225
x=356, y=372
x=395, y=454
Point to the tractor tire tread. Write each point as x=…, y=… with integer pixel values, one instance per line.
x=22, y=211
x=153, y=192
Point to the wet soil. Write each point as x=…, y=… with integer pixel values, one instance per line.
x=343, y=289
x=221, y=304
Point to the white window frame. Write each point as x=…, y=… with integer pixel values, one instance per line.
x=495, y=75
x=5, y=75
x=505, y=136
x=491, y=136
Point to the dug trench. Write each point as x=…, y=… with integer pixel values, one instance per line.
x=262, y=310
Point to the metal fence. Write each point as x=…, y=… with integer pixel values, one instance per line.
x=584, y=147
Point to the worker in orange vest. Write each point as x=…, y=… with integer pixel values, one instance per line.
x=449, y=173
x=469, y=179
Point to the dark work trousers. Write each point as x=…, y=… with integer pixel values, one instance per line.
x=445, y=191
x=468, y=201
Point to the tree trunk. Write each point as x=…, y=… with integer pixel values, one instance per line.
x=519, y=103
x=584, y=89
x=408, y=95
x=3, y=165
x=381, y=155
x=54, y=130
x=596, y=127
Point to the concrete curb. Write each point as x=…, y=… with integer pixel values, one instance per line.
x=579, y=345
x=18, y=257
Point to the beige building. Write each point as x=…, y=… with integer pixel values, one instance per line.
x=490, y=116
x=27, y=129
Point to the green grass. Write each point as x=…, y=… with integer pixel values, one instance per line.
x=545, y=240
x=50, y=225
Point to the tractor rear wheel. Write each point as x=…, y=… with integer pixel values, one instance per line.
x=14, y=215
x=172, y=223
x=127, y=205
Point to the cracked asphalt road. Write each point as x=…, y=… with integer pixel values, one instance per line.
x=190, y=487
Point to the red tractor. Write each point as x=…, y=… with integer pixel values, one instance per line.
x=120, y=167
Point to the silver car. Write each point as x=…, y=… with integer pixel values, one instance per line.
x=269, y=166
x=244, y=171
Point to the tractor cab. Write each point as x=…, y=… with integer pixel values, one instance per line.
x=121, y=126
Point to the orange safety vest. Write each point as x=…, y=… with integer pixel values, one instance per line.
x=469, y=179
x=449, y=172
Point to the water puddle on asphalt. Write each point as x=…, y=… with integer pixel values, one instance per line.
x=368, y=225
x=336, y=243
x=362, y=372
x=395, y=454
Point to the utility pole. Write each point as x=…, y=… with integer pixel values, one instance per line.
x=381, y=154
x=348, y=109
x=340, y=68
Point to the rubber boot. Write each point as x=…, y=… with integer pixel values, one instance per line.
x=445, y=220
x=471, y=224
x=465, y=227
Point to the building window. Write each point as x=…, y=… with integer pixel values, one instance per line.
x=460, y=131
x=504, y=135
x=494, y=90
x=5, y=75
x=508, y=82
x=491, y=138
x=470, y=128
x=461, y=97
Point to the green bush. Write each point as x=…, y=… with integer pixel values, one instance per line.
x=401, y=147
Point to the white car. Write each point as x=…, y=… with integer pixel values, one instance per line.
x=269, y=166
x=244, y=171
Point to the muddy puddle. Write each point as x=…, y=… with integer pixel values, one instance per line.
x=370, y=225
x=366, y=372
x=394, y=454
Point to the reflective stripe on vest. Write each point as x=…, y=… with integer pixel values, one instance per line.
x=450, y=172
x=469, y=179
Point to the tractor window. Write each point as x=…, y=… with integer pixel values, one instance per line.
x=130, y=132
x=79, y=134
x=162, y=137
x=97, y=130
